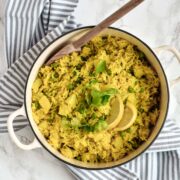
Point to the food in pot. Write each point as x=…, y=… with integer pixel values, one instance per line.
x=72, y=100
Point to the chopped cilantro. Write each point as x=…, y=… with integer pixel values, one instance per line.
x=100, y=125
x=79, y=66
x=100, y=98
x=122, y=134
x=141, y=55
x=36, y=105
x=82, y=108
x=54, y=65
x=93, y=81
x=141, y=90
x=101, y=67
x=79, y=79
x=105, y=99
x=108, y=72
x=54, y=76
x=131, y=89
x=70, y=86
x=141, y=110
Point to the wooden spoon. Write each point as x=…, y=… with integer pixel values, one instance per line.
x=76, y=45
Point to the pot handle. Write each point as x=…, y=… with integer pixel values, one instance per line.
x=176, y=53
x=35, y=144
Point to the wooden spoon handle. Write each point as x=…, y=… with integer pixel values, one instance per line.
x=105, y=23
x=76, y=45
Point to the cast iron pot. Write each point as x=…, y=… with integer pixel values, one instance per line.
x=26, y=111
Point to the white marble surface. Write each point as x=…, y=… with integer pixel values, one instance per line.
x=3, y=65
x=155, y=22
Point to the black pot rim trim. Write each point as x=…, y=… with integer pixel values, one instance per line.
x=89, y=168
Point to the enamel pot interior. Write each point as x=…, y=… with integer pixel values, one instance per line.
x=53, y=47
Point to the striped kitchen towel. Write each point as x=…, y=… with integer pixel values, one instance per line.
x=30, y=26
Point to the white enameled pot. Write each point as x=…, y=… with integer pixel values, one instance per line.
x=26, y=111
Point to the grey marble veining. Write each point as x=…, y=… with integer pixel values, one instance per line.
x=157, y=22
x=3, y=65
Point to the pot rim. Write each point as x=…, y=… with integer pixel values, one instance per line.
x=99, y=168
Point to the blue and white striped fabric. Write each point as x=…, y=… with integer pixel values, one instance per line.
x=30, y=26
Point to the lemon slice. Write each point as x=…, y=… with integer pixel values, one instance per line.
x=128, y=118
x=116, y=113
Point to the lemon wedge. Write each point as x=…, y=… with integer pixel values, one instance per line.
x=116, y=113
x=128, y=118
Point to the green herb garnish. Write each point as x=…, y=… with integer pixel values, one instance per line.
x=79, y=66
x=141, y=90
x=122, y=134
x=93, y=81
x=88, y=128
x=36, y=105
x=88, y=98
x=100, y=98
x=54, y=65
x=78, y=158
x=74, y=72
x=105, y=99
x=92, y=74
x=101, y=67
x=141, y=55
x=108, y=72
x=54, y=76
x=96, y=97
x=141, y=110
x=82, y=108
x=94, y=116
x=131, y=89
x=101, y=124
x=128, y=130
x=79, y=80
x=70, y=86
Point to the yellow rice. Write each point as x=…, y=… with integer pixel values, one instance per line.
x=60, y=89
